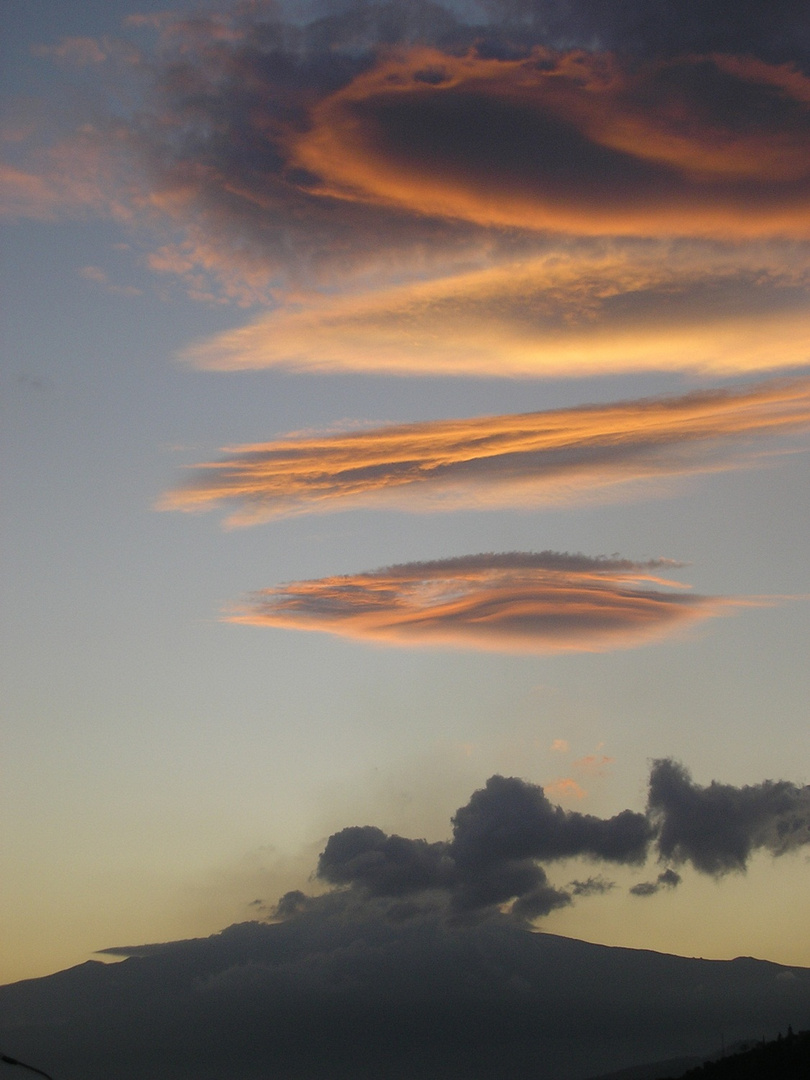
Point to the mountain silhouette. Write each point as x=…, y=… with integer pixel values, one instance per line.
x=390, y=994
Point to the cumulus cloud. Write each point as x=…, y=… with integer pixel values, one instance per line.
x=542, y=602
x=509, y=828
x=565, y=787
x=499, y=838
x=498, y=461
x=717, y=828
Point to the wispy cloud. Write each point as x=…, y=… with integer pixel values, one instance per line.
x=81, y=51
x=667, y=879
x=100, y=277
x=517, y=602
x=498, y=461
x=603, y=309
x=565, y=787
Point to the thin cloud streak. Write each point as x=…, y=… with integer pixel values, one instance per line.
x=519, y=602
x=487, y=462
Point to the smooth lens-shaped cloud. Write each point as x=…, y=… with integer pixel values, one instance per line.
x=576, y=142
x=516, y=602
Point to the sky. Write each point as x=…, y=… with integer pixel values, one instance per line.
x=405, y=485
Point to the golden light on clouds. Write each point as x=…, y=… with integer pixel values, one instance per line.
x=572, y=142
x=517, y=602
x=565, y=788
x=560, y=314
x=591, y=451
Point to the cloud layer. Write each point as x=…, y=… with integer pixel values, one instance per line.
x=603, y=309
x=543, y=602
x=497, y=461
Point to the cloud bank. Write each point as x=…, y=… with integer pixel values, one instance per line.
x=497, y=461
x=498, y=838
x=542, y=602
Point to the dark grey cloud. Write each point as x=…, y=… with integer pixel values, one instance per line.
x=777, y=31
x=499, y=840
x=509, y=828
x=668, y=879
x=511, y=819
x=385, y=865
x=397, y=867
x=718, y=827
x=592, y=886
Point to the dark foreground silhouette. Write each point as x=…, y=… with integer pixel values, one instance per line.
x=786, y=1058
x=13, y=1061
x=389, y=994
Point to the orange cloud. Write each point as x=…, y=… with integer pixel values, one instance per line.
x=565, y=788
x=25, y=194
x=576, y=142
x=498, y=461
x=667, y=308
x=517, y=602
x=71, y=177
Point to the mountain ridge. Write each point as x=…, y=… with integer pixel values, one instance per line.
x=415, y=998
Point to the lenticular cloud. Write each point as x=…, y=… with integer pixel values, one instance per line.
x=539, y=458
x=515, y=602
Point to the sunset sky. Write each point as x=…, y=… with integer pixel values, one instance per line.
x=398, y=398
